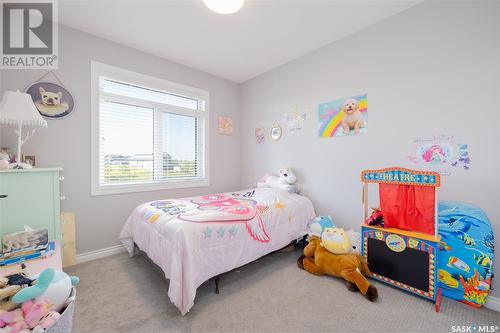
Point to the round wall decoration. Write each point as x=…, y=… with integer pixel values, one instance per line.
x=52, y=100
x=276, y=132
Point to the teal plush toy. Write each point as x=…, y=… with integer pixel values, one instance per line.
x=318, y=224
x=53, y=287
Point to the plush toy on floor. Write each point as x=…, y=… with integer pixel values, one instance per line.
x=318, y=224
x=317, y=259
x=355, y=238
x=286, y=181
x=336, y=241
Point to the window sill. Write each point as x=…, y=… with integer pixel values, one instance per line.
x=147, y=187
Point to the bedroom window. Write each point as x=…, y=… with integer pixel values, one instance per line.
x=147, y=133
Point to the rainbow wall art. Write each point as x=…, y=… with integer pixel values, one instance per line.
x=346, y=116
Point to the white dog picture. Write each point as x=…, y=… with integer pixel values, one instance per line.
x=51, y=100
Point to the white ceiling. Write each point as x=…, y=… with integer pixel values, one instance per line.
x=261, y=36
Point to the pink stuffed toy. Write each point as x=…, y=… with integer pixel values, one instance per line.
x=47, y=321
x=30, y=315
x=34, y=312
x=13, y=321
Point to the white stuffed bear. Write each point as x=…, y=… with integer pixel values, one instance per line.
x=285, y=181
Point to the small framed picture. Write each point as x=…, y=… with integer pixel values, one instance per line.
x=226, y=125
x=260, y=135
x=29, y=159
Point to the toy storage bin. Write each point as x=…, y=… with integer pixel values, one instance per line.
x=65, y=322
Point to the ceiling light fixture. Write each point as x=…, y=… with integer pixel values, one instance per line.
x=224, y=6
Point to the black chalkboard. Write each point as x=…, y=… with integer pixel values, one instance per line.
x=410, y=266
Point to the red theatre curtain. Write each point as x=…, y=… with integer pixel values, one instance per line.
x=408, y=207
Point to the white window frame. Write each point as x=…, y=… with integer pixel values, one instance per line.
x=100, y=71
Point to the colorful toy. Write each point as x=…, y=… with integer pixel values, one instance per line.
x=335, y=241
x=51, y=286
x=12, y=321
x=286, y=181
x=351, y=267
x=34, y=316
x=405, y=253
x=318, y=224
x=467, y=250
x=376, y=219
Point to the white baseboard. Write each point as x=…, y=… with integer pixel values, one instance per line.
x=493, y=303
x=97, y=254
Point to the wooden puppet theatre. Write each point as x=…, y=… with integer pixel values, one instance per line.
x=403, y=252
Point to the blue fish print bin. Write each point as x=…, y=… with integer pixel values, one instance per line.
x=466, y=254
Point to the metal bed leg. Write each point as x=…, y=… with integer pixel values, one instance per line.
x=135, y=251
x=300, y=243
x=217, y=279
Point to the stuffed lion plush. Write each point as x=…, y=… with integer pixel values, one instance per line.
x=350, y=266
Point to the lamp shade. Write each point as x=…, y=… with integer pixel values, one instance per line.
x=17, y=108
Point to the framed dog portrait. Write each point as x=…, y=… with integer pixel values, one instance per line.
x=343, y=117
x=52, y=100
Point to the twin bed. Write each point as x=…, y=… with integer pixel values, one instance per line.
x=195, y=239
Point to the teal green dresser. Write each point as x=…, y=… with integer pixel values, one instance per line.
x=30, y=197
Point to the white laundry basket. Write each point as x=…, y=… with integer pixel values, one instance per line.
x=65, y=322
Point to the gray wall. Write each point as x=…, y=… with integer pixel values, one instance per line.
x=66, y=143
x=432, y=69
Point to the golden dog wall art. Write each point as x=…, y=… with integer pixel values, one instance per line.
x=51, y=100
x=343, y=117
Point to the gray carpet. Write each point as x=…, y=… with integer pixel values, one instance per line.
x=122, y=294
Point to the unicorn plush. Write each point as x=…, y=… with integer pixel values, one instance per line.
x=286, y=181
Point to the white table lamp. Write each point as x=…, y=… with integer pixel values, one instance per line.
x=18, y=109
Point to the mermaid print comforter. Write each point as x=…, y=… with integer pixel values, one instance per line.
x=195, y=239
